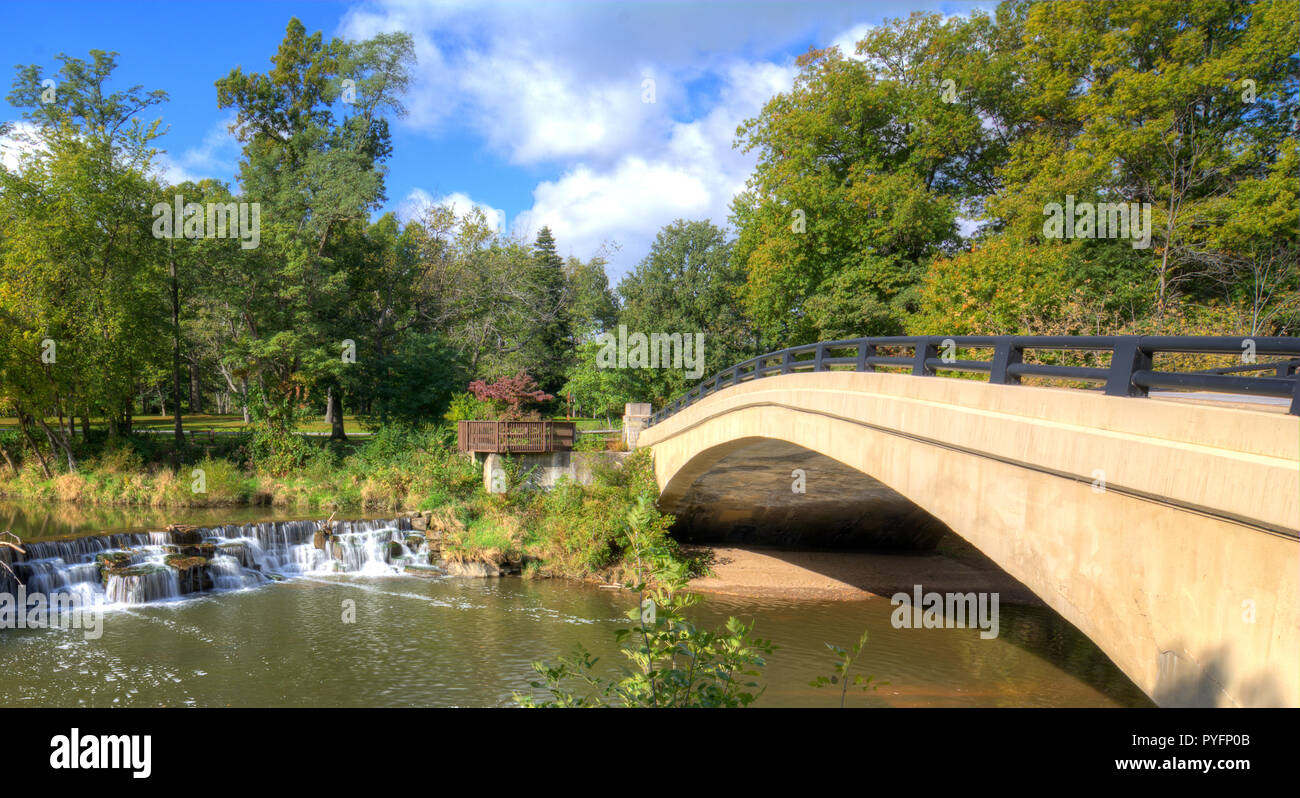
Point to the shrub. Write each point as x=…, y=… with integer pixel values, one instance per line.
x=279, y=453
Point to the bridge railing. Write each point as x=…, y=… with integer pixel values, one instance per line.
x=1129, y=373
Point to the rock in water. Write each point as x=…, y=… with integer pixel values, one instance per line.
x=471, y=569
x=184, y=534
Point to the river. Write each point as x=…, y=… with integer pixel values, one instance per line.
x=372, y=637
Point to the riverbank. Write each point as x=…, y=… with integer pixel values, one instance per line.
x=574, y=531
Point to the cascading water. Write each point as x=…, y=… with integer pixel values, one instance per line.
x=137, y=568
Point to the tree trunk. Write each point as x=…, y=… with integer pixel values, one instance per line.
x=336, y=417
x=244, y=399
x=196, y=394
x=176, y=349
x=329, y=406
x=36, y=449
x=57, y=442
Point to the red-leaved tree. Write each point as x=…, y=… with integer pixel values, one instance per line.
x=513, y=392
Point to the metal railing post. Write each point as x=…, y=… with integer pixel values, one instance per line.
x=1006, y=353
x=924, y=350
x=866, y=349
x=1126, y=357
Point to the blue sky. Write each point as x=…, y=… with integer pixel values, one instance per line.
x=536, y=111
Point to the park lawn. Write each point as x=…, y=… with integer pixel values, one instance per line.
x=592, y=423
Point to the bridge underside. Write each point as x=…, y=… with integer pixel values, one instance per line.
x=776, y=493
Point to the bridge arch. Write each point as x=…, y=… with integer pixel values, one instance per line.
x=1165, y=531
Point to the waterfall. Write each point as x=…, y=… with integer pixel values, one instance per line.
x=138, y=568
x=152, y=582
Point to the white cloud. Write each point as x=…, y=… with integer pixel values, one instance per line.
x=848, y=40
x=561, y=84
x=539, y=110
x=694, y=174
x=561, y=81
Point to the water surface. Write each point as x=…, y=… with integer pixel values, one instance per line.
x=368, y=638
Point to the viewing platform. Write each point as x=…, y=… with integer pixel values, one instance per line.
x=514, y=437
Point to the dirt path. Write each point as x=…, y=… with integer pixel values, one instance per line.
x=850, y=575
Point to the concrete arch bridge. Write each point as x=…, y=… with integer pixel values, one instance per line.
x=1159, y=514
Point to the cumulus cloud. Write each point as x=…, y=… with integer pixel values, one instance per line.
x=563, y=86
x=556, y=82
x=693, y=174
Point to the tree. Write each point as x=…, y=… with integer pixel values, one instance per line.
x=553, y=322
x=80, y=272
x=687, y=284
x=595, y=390
x=590, y=305
x=413, y=384
x=317, y=177
x=862, y=170
x=1180, y=107
x=510, y=393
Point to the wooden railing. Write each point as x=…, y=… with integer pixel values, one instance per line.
x=504, y=437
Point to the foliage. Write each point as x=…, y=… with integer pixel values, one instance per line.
x=862, y=168
x=687, y=284
x=595, y=390
x=868, y=166
x=672, y=663
x=510, y=394
x=465, y=407
x=844, y=662
x=278, y=452
x=413, y=385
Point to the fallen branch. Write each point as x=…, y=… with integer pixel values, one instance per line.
x=16, y=545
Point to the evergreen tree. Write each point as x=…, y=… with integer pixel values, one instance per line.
x=553, y=328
